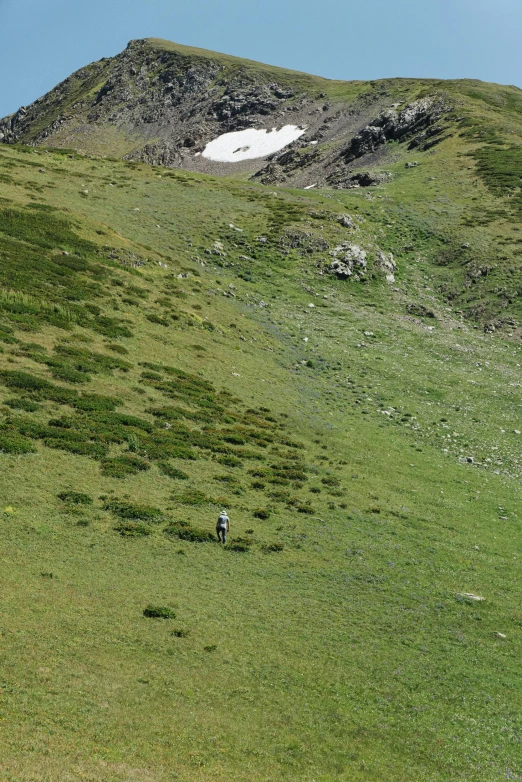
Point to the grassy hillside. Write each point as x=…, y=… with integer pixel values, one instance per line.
x=160, y=359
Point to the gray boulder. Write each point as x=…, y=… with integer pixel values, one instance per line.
x=346, y=221
x=386, y=264
x=349, y=260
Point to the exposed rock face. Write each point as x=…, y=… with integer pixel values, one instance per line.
x=171, y=102
x=161, y=103
x=349, y=261
x=415, y=123
x=419, y=125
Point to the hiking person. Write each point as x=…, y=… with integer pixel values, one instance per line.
x=223, y=526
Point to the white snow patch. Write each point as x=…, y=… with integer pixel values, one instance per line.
x=251, y=143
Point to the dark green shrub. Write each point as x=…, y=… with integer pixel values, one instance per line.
x=234, y=439
x=132, y=529
x=69, y=375
x=14, y=444
x=185, y=531
x=92, y=450
x=131, y=510
x=75, y=498
x=305, y=509
x=123, y=466
x=193, y=497
x=118, y=349
x=180, y=633
x=153, y=318
x=240, y=545
x=22, y=380
x=18, y=403
x=159, y=612
x=92, y=402
x=272, y=547
x=331, y=480
x=229, y=461
x=172, y=472
x=210, y=648
x=261, y=513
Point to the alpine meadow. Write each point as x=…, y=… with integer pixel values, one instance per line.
x=226, y=285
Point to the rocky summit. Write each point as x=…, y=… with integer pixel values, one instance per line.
x=162, y=103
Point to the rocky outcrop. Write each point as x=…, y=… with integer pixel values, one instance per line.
x=385, y=264
x=418, y=121
x=349, y=261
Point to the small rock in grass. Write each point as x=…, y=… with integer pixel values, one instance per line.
x=500, y=635
x=471, y=597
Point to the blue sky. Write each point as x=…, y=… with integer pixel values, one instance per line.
x=43, y=41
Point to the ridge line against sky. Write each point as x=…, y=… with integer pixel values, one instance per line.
x=43, y=43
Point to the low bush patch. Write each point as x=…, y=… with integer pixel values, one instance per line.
x=14, y=444
x=132, y=529
x=185, y=531
x=131, y=510
x=75, y=498
x=159, y=612
x=272, y=548
x=122, y=466
x=172, y=472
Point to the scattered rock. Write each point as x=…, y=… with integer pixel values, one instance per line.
x=218, y=249
x=500, y=635
x=411, y=165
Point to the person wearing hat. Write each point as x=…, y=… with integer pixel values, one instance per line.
x=223, y=526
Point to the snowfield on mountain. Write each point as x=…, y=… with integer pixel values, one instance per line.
x=251, y=143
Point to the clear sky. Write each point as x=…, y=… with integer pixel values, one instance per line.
x=43, y=41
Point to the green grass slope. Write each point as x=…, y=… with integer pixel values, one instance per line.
x=160, y=359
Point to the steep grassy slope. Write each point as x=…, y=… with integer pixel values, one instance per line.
x=160, y=359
